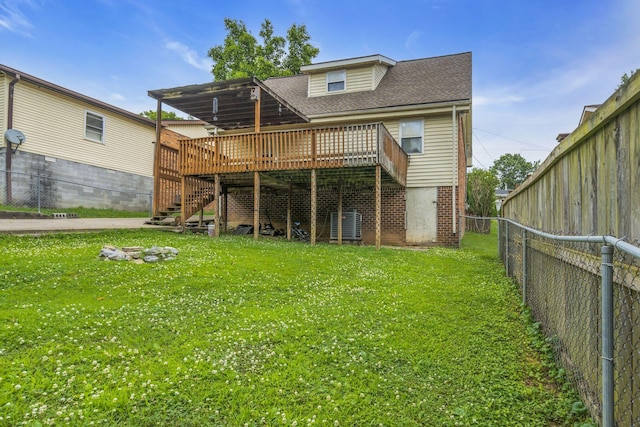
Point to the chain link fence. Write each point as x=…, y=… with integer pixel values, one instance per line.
x=584, y=292
x=37, y=192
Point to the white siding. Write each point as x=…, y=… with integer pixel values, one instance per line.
x=54, y=126
x=191, y=130
x=434, y=166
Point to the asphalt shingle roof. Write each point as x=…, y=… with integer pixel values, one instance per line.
x=415, y=82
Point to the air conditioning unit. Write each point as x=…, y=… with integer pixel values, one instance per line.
x=351, y=225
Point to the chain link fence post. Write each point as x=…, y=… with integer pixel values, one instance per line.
x=524, y=266
x=38, y=191
x=506, y=247
x=607, y=337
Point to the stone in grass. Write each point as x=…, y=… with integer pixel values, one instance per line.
x=138, y=254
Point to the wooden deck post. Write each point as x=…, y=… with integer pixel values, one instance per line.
x=378, y=204
x=313, y=207
x=183, y=201
x=340, y=211
x=225, y=190
x=216, y=230
x=289, y=211
x=256, y=205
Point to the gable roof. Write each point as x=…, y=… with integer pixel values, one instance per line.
x=442, y=79
x=407, y=84
x=12, y=72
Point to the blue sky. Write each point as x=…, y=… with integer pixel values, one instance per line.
x=535, y=63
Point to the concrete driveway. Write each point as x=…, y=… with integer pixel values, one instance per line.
x=50, y=225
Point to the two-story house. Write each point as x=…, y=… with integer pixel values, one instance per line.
x=79, y=151
x=382, y=144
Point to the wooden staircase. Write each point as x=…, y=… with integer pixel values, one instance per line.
x=169, y=216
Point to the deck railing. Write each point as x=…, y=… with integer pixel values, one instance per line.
x=331, y=147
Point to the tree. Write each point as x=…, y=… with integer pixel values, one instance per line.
x=481, y=192
x=481, y=199
x=166, y=115
x=242, y=56
x=513, y=169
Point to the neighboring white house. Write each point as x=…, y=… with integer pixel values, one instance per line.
x=78, y=151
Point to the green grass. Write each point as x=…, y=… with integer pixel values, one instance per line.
x=81, y=212
x=237, y=332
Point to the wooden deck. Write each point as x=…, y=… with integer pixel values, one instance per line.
x=362, y=145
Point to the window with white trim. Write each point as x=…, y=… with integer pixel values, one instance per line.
x=336, y=80
x=412, y=135
x=93, y=127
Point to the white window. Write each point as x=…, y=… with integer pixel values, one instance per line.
x=411, y=136
x=336, y=80
x=93, y=126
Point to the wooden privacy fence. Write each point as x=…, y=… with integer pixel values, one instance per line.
x=332, y=147
x=590, y=183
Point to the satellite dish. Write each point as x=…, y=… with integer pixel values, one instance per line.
x=14, y=136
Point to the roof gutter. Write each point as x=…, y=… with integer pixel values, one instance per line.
x=461, y=105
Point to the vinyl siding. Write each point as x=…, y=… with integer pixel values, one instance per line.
x=189, y=130
x=54, y=126
x=318, y=84
x=358, y=80
x=434, y=166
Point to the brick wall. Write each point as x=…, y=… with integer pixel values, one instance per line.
x=240, y=210
x=446, y=236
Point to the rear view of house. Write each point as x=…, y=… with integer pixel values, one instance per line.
x=369, y=142
x=78, y=151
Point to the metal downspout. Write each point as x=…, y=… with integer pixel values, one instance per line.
x=455, y=170
x=8, y=154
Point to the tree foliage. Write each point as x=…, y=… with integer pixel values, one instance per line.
x=513, y=169
x=626, y=77
x=166, y=115
x=242, y=56
x=481, y=197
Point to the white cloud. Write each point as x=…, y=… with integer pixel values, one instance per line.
x=482, y=100
x=117, y=97
x=189, y=56
x=12, y=18
x=412, y=40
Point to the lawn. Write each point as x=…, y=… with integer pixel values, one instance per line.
x=237, y=332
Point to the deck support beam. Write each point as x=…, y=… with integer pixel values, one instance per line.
x=340, y=212
x=378, y=204
x=183, y=201
x=314, y=196
x=216, y=222
x=256, y=205
x=225, y=191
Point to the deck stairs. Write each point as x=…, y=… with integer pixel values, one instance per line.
x=170, y=215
